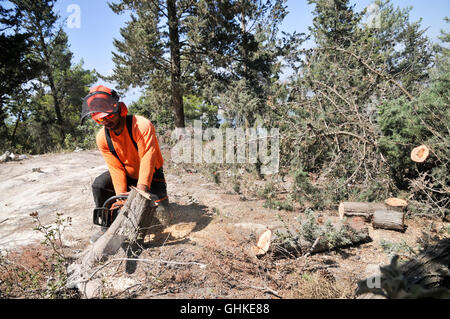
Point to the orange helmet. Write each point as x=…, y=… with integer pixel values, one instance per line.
x=100, y=102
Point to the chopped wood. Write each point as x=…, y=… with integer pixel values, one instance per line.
x=388, y=219
x=420, y=153
x=362, y=209
x=396, y=202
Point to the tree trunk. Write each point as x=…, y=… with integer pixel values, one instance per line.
x=129, y=226
x=388, y=219
x=364, y=210
x=53, y=89
x=13, y=136
x=57, y=106
x=175, y=63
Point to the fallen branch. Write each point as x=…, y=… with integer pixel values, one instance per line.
x=285, y=245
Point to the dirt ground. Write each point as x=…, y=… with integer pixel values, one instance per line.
x=206, y=251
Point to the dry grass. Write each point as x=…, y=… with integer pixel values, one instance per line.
x=23, y=272
x=30, y=273
x=320, y=285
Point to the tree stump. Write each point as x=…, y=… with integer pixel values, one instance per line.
x=396, y=202
x=128, y=226
x=263, y=244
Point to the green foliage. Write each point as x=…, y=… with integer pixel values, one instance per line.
x=285, y=204
x=41, y=273
x=402, y=131
x=303, y=189
x=311, y=231
x=351, y=116
x=202, y=51
x=154, y=105
x=393, y=248
x=196, y=108
x=83, y=138
x=36, y=117
x=407, y=124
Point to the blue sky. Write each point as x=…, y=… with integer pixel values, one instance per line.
x=98, y=26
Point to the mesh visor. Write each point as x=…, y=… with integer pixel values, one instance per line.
x=99, y=102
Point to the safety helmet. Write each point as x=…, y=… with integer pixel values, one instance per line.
x=100, y=102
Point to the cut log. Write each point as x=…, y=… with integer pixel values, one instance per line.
x=420, y=153
x=128, y=226
x=388, y=219
x=361, y=209
x=288, y=245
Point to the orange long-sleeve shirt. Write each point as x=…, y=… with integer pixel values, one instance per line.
x=139, y=164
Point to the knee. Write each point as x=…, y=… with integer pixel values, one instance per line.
x=102, y=181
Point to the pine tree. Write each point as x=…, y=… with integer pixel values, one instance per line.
x=334, y=22
x=50, y=46
x=201, y=47
x=17, y=66
x=353, y=69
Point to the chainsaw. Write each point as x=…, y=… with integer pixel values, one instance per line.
x=105, y=215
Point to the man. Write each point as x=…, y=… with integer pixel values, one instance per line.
x=129, y=147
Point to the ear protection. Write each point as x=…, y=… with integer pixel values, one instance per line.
x=123, y=110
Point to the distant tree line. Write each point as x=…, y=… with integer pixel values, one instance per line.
x=41, y=91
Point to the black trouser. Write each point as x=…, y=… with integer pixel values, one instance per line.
x=103, y=188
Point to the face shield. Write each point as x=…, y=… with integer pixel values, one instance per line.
x=99, y=104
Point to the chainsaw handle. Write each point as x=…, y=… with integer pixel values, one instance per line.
x=113, y=198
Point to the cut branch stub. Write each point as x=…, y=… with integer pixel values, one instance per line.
x=263, y=244
x=420, y=153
